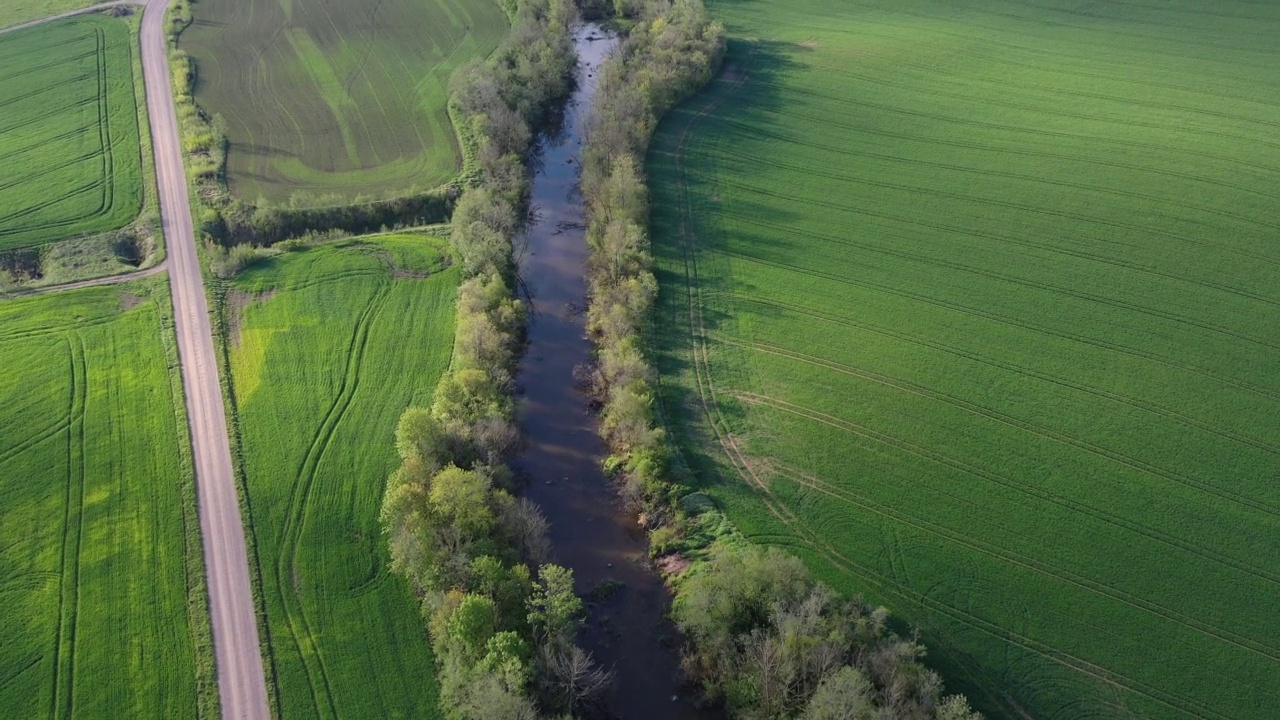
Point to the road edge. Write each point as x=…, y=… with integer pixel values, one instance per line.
x=238, y=659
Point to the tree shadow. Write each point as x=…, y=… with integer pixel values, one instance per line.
x=690, y=245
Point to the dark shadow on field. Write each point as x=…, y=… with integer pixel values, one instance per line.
x=695, y=283
x=699, y=300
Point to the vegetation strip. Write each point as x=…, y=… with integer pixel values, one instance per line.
x=766, y=638
x=503, y=622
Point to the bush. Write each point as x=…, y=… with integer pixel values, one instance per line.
x=226, y=263
x=774, y=643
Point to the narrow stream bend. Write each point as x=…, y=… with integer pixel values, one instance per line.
x=629, y=630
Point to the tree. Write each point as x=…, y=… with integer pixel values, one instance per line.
x=554, y=611
x=460, y=499
x=572, y=678
x=404, y=519
x=488, y=697
x=469, y=395
x=469, y=629
x=845, y=694
x=508, y=588
x=956, y=707
x=735, y=592
x=526, y=526
x=420, y=435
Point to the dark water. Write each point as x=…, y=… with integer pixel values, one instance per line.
x=591, y=534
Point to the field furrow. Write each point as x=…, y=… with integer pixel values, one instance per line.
x=70, y=135
x=973, y=307
x=325, y=345
x=326, y=101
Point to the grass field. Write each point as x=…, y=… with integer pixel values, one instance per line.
x=16, y=12
x=96, y=486
x=336, y=98
x=974, y=305
x=332, y=343
x=68, y=131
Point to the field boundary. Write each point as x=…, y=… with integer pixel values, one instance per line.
x=144, y=229
x=207, y=701
x=125, y=599
x=288, y=633
x=230, y=220
x=218, y=290
x=71, y=13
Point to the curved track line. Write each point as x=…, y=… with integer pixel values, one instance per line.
x=295, y=514
x=1026, y=489
x=1027, y=426
x=716, y=421
x=63, y=697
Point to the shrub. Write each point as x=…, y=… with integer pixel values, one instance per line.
x=229, y=262
x=775, y=643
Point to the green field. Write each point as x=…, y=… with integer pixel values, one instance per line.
x=68, y=131
x=96, y=486
x=331, y=344
x=975, y=306
x=334, y=99
x=16, y=12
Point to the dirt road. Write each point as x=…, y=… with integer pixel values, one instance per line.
x=241, y=683
x=24, y=291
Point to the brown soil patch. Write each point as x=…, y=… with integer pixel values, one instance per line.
x=233, y=309
x=672, y=565
x=129, y=301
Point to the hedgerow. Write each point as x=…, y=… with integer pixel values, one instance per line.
x=502, y=621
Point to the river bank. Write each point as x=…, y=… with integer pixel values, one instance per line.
x=627, y=629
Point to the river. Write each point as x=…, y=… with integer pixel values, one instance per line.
x=590, y=532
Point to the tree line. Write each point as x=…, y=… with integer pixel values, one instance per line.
x=763, y=636
x=501, y=620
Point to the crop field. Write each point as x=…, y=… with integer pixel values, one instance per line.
x=330, y=345
x=328, y=100
x=976, y=305
x=99, y=514
x=68, y=131
x=17, y=12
